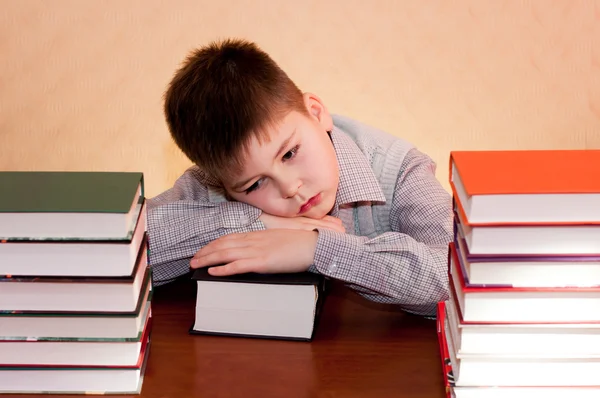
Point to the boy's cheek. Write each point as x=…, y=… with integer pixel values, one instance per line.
x=265, y=203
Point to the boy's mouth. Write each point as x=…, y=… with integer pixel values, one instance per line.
x=314, y=201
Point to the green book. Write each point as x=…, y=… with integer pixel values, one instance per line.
x=70, y=205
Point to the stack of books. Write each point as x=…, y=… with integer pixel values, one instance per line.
x=75, y=286
x=523, y=317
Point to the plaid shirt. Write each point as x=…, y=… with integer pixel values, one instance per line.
x=405, y=265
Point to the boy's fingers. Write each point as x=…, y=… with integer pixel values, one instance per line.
x=220, y=256
x=233, y=268
x=224, y=243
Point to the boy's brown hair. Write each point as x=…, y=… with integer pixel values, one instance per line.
x=224, y=94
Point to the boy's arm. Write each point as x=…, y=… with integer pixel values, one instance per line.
x=181, y=220
x=408, y=266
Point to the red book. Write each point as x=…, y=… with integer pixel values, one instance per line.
x=447, y=373
x=527, y=186
x=521, y=305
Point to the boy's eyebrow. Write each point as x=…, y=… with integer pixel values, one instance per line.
x=284, y=145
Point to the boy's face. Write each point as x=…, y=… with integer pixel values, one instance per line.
x=295, y=172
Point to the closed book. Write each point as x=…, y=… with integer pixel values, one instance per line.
x=278, y=306
x=74, y=352
x=77, y=379
x=527, y=186
x=81, y=294
x=542, y=340
x=528, y=239
x=469, y=381
x=67, y=205
x=521, y=305
x=77, y=324
x=532, y=270
x=73, y=257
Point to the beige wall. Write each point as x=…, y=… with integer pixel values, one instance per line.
x=81, y=81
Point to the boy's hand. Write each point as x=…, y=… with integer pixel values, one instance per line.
x=276, y=222
x=268, y=251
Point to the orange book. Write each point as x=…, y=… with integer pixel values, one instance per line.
x=527, y=186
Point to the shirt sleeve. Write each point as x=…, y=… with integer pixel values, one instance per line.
x=182, y=219
x=407, y=266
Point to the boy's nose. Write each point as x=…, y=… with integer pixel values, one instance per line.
x=290, y=190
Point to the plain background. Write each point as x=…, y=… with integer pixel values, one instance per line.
x=81, y=81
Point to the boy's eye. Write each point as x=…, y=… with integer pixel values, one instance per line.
x=254, y=186
x=290, y=154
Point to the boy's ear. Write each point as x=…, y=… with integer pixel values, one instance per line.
x=318, y=111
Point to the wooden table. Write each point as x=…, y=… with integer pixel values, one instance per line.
x=360, y=350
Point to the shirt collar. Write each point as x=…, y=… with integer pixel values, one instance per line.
x=216, y=193
x=357, y=181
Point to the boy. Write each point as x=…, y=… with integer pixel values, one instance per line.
x=280, y=185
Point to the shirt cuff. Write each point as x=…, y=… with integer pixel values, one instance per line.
x=335, y=253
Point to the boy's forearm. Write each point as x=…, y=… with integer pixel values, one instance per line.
x=181, y=220
x=391, y=268
x=176, y=231
x=408, y=265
